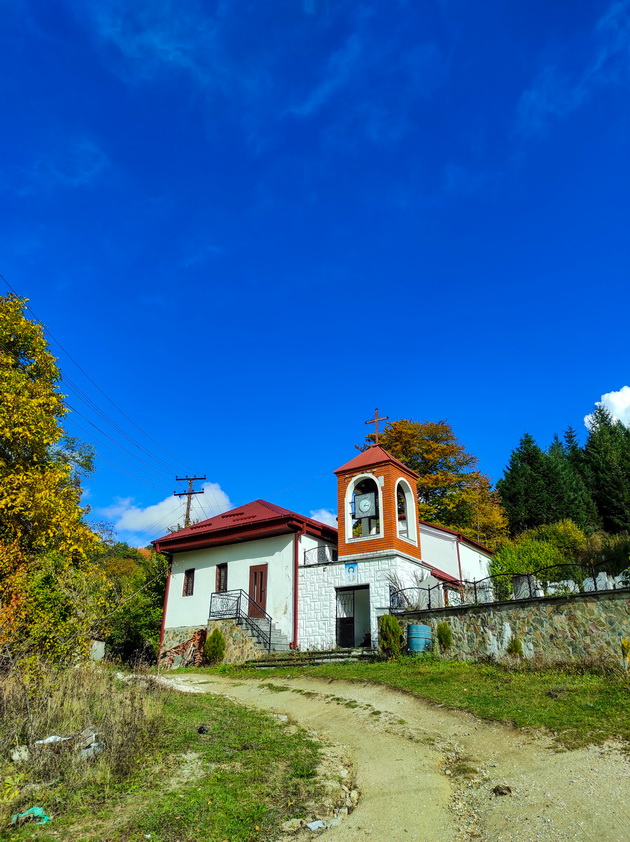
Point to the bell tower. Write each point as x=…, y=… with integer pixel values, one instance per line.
x=377, y=506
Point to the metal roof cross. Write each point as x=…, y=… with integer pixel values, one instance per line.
x=375, y=421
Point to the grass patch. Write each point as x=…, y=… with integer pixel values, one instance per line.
x=579, y=706
x=238, y=781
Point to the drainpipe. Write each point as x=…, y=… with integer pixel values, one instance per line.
x=296, y=559
x=166, y=592
x=459, y=561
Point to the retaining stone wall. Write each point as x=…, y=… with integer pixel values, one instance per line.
x=239, y=645
x=175, y=636
x=588, y=625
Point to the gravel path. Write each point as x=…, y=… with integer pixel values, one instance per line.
x=427, y=774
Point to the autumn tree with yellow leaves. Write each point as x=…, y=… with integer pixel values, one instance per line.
x=44, y=540
x=451, y=491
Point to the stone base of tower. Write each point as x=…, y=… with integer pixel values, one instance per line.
x=339, y=603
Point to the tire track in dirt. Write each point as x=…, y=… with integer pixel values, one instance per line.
x=426, y=773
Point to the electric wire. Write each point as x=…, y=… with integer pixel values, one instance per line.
x=176, y=461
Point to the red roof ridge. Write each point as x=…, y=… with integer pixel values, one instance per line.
x=258, y=513
x=373, y=455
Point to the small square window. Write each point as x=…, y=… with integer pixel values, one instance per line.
x=189, y=582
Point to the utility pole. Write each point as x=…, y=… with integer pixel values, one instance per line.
x=187, y=494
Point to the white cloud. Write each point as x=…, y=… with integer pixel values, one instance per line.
x=617, y=403
x=324, y=516
x=143, y=523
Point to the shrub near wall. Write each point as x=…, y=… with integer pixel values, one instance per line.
x=552, y=629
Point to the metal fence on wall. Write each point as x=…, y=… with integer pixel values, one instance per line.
x=559, y=580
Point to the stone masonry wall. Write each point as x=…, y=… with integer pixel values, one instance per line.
x=175, y=636
x=239, y=645
x=551, y=629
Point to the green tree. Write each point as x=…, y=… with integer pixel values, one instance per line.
x=134, y=580
x=40, y=489
x=523, y=488
x=607, y=458
x=451, y=492
x=47, y=596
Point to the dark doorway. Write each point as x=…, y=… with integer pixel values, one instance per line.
x=353, y=617
x=257, y=590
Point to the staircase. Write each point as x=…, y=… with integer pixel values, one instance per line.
x=279, y=641
x=286, y=658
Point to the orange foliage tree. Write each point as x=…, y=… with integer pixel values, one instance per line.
x=451, y=491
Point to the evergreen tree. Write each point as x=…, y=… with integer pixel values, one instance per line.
x=569, y=498
x=523, y=488
x=607, y=460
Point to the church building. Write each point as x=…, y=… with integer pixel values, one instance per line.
x=292, y=582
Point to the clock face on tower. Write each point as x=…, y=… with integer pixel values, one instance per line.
x=365, y=505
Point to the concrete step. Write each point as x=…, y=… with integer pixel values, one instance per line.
x=297, y=658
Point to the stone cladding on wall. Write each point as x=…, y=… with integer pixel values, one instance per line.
x=240, y=646
x=179, y=634
x=587, y=625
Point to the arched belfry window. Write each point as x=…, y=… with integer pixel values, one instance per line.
x=365, y=509
x=405, y=514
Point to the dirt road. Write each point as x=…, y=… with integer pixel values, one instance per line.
x=427, y=774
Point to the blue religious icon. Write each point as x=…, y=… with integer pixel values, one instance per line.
x=351, y=572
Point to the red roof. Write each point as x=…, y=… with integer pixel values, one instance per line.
x=444, y=577
x=245, y=523
x=374, y=455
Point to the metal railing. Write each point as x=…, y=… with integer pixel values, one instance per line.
x=238, y=605
x=559, y=580
x=320, y=555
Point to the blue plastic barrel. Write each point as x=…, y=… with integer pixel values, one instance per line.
x=419, y=638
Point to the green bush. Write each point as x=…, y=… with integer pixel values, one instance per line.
x=444, y=636
x=390, y=636
x=515, y=647
x=214, y=647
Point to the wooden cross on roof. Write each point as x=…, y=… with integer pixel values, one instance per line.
x=375, y=421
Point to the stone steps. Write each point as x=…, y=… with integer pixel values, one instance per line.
x=299, y=659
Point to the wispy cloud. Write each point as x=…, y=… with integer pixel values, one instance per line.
x=141, y=524
x=79, y=164
x=324, y=516
x=558, y=91
x=617, y=403
x=340, y=67
x=372, y=80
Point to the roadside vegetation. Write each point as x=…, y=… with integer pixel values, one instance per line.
x=579, y=706
x=155, y=776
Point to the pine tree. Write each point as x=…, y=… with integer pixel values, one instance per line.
x=523, y=488
x=607, y=459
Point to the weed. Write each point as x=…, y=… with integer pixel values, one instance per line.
x=444, y=636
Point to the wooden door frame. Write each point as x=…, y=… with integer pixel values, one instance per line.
x=253, y=604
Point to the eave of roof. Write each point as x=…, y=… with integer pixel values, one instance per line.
x=374, y=455
x=463, y=538
x=245, y=523
x=445, y=577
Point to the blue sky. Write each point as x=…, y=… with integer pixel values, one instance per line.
x=250, y=223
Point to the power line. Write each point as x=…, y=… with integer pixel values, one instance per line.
x=105, y=395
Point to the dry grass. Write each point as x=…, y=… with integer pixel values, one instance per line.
x=64, y=704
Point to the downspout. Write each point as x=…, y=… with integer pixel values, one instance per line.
x=296, y=559
x=166, y=592
x=459, y=561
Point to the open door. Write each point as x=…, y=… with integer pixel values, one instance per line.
x=257, y=590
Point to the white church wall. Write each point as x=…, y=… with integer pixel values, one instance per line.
x=317, y=610
x=276, y=552
x=475, y=565
x=439, y=549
